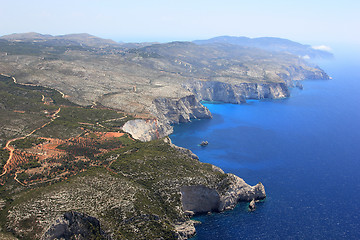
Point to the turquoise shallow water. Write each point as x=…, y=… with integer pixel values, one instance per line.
x=304, y=149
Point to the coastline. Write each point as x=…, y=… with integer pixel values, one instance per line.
x=188, y=229
x=222, y=198
x=170, y=111
x=250, y=135
x=226, y=190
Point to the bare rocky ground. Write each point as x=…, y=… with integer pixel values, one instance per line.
x=131, y=79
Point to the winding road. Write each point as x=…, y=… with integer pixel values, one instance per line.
x=11, y=149
x=8, y=146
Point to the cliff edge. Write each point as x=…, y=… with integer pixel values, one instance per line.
x=201, y=199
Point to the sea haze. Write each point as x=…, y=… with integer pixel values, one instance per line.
x=304, y=149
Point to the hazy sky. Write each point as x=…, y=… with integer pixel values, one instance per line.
x=307, y=21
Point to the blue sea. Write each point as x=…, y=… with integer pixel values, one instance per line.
x=304, y=149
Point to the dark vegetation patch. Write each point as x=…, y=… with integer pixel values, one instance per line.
x=28, y=142
x=4, y=156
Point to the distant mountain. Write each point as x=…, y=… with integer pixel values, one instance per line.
x=269, y=44
x=226, y=42
x=79, y=39
x=26, y=36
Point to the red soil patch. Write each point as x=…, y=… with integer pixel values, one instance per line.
x=113, y=135
x=103, y=136
x=48, y=149
x=47, y=153
x=18, y=111
x=17, y=159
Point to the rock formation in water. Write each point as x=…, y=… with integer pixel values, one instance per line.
x=252, y=205
x=239, y=190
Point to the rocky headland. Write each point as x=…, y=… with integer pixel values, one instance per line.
x=143, y=186
x=163, y=81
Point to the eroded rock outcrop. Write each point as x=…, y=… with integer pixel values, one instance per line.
x=252, y=205
x=74, y=225
x=197, y=199
x=180, y=110
x=186, y=229
x=200, y=199
x=238, y=190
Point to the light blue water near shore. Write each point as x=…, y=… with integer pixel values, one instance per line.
x=304, y=149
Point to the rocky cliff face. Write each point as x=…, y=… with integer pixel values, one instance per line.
x=298, y=73
x=74, y=225
x=236, y=93
x=168, y=111
x=202, y=199
x=185, y=230
x=171, y=111
x=197, y=199
x=180, y=110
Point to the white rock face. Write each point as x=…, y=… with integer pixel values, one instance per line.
x=147, y=130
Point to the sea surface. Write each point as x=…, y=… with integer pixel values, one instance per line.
x=304, y=149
